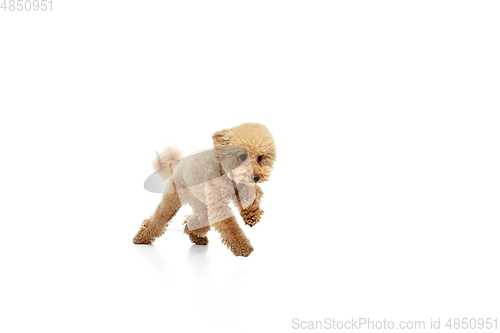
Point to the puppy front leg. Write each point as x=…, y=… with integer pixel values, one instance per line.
x=223, y=220
x=252, y=214
x=234, y=237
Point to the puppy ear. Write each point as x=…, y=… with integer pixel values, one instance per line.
x=222, y=138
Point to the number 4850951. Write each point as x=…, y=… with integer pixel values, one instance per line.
x=26, y=5
x=472, y=323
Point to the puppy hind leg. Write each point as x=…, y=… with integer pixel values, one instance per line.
x=197, y=225
x=197, y=236
x=155, y=226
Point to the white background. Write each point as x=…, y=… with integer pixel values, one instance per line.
x=384, y=202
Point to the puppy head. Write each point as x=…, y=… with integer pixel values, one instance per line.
x=253, y=153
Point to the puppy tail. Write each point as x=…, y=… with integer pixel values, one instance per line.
x=170, y=156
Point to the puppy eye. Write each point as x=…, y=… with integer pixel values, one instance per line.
x=243, y=157
x=259, y=158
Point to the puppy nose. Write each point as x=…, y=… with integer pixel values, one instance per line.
x=255, y=178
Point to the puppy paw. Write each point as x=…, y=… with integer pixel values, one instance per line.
x=251, y=216
x=139, y=239
x=143, y=236
x=242, y=251
x=198, y=240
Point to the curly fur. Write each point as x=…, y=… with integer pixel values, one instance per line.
x=169, y=156
x=208, y=182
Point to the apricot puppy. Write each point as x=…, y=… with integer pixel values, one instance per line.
x=243, y=156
